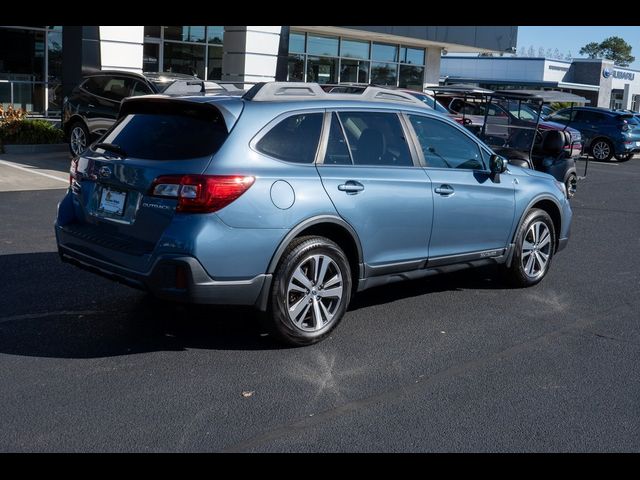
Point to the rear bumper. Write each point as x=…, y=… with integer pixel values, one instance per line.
x=177, y=278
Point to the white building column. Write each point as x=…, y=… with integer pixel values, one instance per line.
x=121, y=48
x=626, y=97
x=432, y=75
x=250, y=53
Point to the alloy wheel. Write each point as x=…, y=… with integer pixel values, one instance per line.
x=78, y=140
x=314, y=293
x=601, y=150
x=536, y=249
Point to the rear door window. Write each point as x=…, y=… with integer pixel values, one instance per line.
x=169, y=136
x=337, y=150
x=376, y=138
x=117, y=88
x=294, y=139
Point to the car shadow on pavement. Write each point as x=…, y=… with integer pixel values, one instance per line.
x=56, y=161
x=52, y=309
x=487, y=277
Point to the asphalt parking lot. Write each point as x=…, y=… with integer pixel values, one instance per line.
x=451, y=363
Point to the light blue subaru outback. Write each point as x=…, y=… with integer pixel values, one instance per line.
x=292, y=199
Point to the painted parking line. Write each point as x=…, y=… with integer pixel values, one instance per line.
x=31, y=170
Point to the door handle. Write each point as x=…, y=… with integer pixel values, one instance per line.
x=351, y=187
x=445, y=190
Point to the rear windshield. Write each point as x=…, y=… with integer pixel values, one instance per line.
x=168, y=136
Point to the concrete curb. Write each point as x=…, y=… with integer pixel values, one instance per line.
x=42, y=148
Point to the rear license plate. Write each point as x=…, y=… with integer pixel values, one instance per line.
x=112, y=201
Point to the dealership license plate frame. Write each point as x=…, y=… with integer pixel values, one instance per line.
x=118, y=201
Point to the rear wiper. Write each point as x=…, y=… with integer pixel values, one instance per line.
x=110, y=147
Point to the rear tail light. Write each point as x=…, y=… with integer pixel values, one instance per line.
x=201, y=193
x=73, y=170
x=626, y=126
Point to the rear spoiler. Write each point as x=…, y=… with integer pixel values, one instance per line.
x=228, y=110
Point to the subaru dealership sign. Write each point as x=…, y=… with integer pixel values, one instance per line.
x=619, y=74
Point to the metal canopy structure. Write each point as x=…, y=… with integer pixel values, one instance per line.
x=547, y=96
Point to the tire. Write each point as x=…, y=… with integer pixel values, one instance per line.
x=294, y=285
x=571, y=184
x=623, y=157
x=602, y=150
x=78, y=133
x=523, y=271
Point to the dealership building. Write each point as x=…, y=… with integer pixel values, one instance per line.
x=39, y=65
x=600, y=81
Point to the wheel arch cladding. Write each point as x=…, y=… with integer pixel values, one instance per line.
x=554, y=212
x=333, y=229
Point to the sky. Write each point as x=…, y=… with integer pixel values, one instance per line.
x=572, y=39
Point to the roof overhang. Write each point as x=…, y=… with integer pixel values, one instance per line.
x=387, y=38
x=575, y=86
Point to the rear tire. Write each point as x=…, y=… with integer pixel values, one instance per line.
x=571, y=184
x=602, y=150
x=79, y=137
x=623, y=157
x=534, y=248
x=311, y=291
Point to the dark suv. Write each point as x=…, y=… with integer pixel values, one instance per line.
x=92, y=107
x=605, y=133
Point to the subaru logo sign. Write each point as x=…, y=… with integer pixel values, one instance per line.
x=606, y=72
x=104, y=172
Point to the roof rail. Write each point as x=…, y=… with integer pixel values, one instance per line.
x=284, y=91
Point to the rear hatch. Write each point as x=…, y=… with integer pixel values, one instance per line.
x=113, y=180
x=630, y=125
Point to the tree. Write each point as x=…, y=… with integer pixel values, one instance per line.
x=521, y=52
x=612, y=48
x=541, y=51
x=568, y=56
x=556, y=54
x=531, y=52
x=591, y=50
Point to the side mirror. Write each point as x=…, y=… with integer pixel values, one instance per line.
x=497, y=164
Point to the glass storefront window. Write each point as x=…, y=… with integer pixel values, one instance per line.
x=152, y=32
x=322, y=69
x=411, y=77
x=354, y=71
x=412, y=55
x=215, y=34
x=384, y=53
x=54, y=44
x=183, y=58
x=184, y=33
x=150, y=57
x=214, y=66
x=318, y=45
x=22, y=54
x=384, y=73
x=354, y=49
x=296, y=42
x=295, y=68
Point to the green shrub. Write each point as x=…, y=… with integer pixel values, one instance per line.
x=27, y=132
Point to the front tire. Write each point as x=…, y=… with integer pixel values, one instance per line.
x=534, y=248
x=602, y=150
x=623, y=157
x=311, y=291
